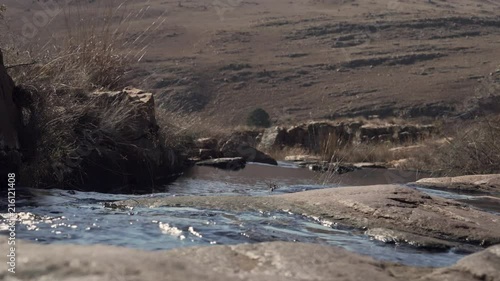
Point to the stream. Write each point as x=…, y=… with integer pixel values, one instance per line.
x=58, y=216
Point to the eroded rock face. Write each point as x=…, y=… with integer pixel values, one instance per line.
x=10, y=121
x=472, y=183
x=314, y=136
x=255, y=262
x=391, y=207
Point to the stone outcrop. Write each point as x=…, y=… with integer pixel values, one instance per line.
x=391, y=207
x=315, y=135
x=273, y=261
x=238, y=145
x=126, y=153
x=10, y=122
x=237, y=148
x=472, y=183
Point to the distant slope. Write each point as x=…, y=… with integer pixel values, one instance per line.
x=308, y=59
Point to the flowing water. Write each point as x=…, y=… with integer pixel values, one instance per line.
x=58, y=216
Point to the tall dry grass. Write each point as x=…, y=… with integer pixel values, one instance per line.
x=88, y=55
x=94, y=53
x=334, y=149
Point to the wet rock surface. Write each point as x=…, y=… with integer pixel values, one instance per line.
x=381, y=206
x=265, y=261
x=472, y=183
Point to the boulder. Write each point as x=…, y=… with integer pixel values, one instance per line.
x=234, y=148
x=471, y=183
x=10, y=123
x=126, y=153
x=272, y=138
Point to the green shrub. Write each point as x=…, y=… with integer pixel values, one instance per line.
x=259, y=118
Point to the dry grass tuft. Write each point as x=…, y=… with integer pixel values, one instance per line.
x=87, y=57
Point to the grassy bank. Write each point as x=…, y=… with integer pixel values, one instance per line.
x=67, y=131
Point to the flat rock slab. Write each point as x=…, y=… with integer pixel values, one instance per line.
x=234, y=164
x=265, y=261
x=472, y=183
x=391, y=207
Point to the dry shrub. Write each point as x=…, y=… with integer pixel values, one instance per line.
x=474, y=149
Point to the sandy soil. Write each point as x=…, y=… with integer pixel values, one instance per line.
x=305, y=59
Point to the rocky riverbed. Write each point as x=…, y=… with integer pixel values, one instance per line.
x=225, y=225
